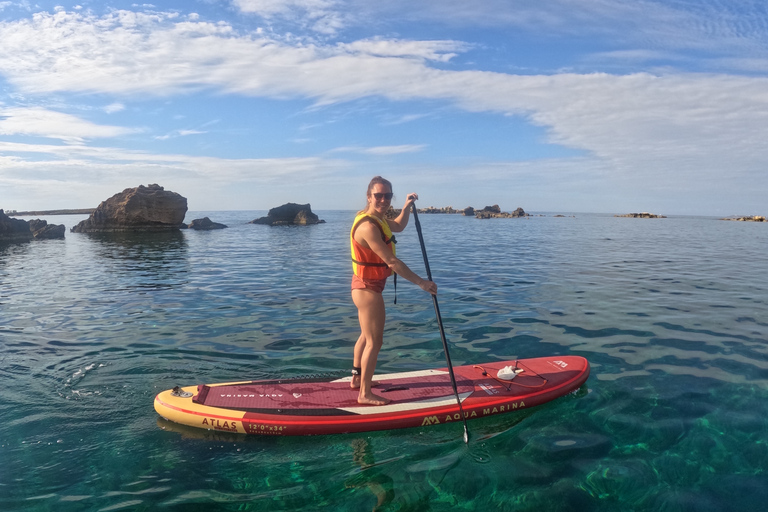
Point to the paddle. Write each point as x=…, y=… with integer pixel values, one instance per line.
x=440, y=323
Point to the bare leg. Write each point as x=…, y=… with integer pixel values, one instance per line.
x=358, y=356
x=370, y=311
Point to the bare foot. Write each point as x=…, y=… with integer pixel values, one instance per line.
x=372, y=400
x=355, y=382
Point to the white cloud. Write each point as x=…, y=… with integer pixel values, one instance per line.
x=85, y=53
x=114, y=107
x=322, y=16
x=636, y=122
x=271, y=7
x=688, y=28
x=441, y=51
x=89, y=172
x=395, y=150
x=403, y=119
x=179, y=133
x=141, y=162
x=382, y=150
x=668, y=130
x=41, y=122
x=130, y=53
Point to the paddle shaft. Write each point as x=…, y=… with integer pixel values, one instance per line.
x=440, y=322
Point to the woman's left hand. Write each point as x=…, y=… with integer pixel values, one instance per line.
x=410, y=199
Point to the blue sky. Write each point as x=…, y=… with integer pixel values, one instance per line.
x=610, y=106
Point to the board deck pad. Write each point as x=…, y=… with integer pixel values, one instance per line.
x=305, y=397
x=308, y=406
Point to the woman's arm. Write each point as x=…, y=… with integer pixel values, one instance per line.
x=371, y=235
x=398, y=224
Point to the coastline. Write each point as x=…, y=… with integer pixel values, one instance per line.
x=76, y=211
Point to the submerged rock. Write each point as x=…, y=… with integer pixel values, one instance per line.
x=289, y=214
x=205, y=224
x=149, y=208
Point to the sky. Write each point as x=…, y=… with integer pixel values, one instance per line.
x=604, y=106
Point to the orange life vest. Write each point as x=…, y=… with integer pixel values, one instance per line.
x=366, y=264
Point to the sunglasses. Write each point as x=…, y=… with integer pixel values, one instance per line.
x=383, y=195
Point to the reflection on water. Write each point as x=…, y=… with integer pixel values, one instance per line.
x=673, y=418
x=138, y=246
x=147, y=261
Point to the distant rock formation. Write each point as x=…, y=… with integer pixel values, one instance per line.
x=750, y=218
x=17, y=230
x=76, y=211
x=13, y=230
x=393, y=213
x=289, y=214
x=494, y=212
x=205, y=224
x=489, y=212
x=149, y=208
x=41, y=230
x=643, y=215
x=490, y=209
x=444, y=209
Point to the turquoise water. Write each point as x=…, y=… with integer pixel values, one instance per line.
x=671, y=314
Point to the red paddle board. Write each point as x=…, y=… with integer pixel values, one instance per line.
x=311, y=406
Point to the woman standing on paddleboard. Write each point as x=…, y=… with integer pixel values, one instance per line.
x=373, y=260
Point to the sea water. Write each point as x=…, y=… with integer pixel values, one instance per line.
x=671, y=313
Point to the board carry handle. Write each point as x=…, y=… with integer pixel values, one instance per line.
x=440, y=322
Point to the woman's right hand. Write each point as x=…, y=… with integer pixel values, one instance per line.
x=428, y=286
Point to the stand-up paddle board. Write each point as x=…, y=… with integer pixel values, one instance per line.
x=312, y=406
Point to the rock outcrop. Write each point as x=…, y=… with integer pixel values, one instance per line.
x=13, y=230
x=149, y=208
x=751, y=218
x=17, y=230
x=205, y=224
x=494, y=212
x=642, y=215
x=41, y=230
x=289, y=214
x=444, y=209
x=489, y=212
x=489, y=209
